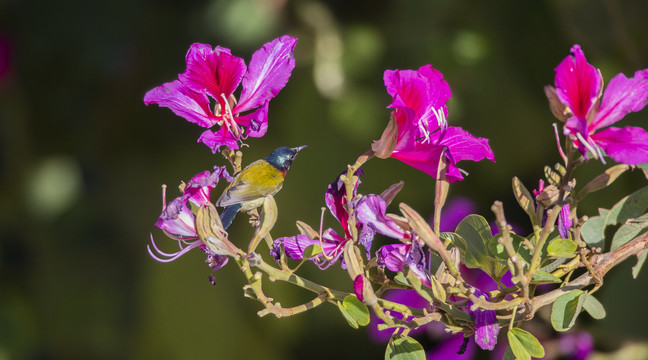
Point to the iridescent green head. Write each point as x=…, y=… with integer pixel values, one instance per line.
x=282, y=157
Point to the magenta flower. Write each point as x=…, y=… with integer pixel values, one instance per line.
x=331, y=243
x=179, y=222
x=486, y=325
x=419, y=103
x=579, y=86
x=216, y=73
x=398, y=257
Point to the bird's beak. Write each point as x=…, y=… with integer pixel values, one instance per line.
x=300, y=148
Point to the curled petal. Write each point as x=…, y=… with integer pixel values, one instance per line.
x=358, y=284
x=578, y=84
x=370, y=210
x=294, y=246
x=419, y=90
x=256, y=123
x=216, y=261
x=564, y=222
x=622, y=95
x=188, y=104
x=268, y=73
x=215, y=139
x=335, y=199
x=628, y=145
x=215, y=72
x=177, y=219
x=396, y=256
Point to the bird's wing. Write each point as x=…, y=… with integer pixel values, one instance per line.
x=257, y=180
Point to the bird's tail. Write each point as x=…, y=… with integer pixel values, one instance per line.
x=228, y=214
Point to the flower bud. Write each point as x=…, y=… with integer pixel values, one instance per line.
x=548, y=196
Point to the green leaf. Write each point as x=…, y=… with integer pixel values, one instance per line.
x=629, y=207
x=541, y=277
x=347, y=316
x=640, y=261
x=401, y=279
x=562, y=248
x=508, y=354
x=524, y=345
x=356, y=309
x=456, y=240
x=593, y=307
x=312, y=250
x=498, y=249
x=565, y=310
x=592, y=231
x=476, y=232
x=628, y=231
x=404, y=348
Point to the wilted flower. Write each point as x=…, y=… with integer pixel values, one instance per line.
x=179, y=222
x=216, y=73
x=579, y=87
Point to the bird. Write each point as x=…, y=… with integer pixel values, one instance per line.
x=261, y=178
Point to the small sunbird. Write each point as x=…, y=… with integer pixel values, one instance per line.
x=259, y=179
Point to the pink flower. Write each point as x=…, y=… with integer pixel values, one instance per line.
x=216, y=73
x=579, y=87
x=419, y=103
x=179, y=223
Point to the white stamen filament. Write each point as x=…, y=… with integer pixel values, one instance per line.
x=229, y=118
x=593, y=148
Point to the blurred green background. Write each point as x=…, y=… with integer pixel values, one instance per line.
x=82, y=159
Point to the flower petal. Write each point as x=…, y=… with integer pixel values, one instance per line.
x=578, y=84
x=190, y=105
x=177, y=219
x=256, y=122
x=622, y=95
x=628, y=145
x=418, y=90
x=486, y=325
x=268, y=73
x=214, y=140
x=564, y=222
x=460, y=144
x=370, y=210
x=212, y=72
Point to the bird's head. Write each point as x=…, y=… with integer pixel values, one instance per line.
x=282, y=157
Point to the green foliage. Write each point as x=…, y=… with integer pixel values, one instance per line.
x=354, y=311
x=562, y=248
x=311, y=251
x=566, y=308
x=628, y=211
x=404, y=348
x=593, y=307
x=541, y=277
x=476, y=233
x=524, y=345
x=640, y=261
